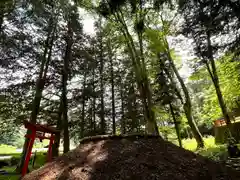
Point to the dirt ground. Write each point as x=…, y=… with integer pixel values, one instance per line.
x=131, y=157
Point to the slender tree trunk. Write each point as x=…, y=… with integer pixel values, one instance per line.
x=147, y=92
x=146, y=89
x=132, y=108
x=59, y=127
x=169, y=73
x=123, y=123
x=91, y=113
x=176, y=125
x=196, y=133
x=141, y=76
x=113, y=99
x=188, y=108
x=67, y=58
x=152, y=127
x=102, y=113
x=91, y=108
x=136, y=122
x=40, y=83
x=94, y=115
x=94, y=103
x=214, y=76
x=42, y=77
x=188, y=134
x=83, y=106
x=66, y=141
x=110, y=54
x=187, y=105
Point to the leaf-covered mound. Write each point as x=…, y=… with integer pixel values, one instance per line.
x=131, y=157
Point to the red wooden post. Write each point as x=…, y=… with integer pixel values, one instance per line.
x=37, y=128
x=29, y=152
x=50, y=148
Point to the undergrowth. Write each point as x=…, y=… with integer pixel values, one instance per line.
x=211, y=150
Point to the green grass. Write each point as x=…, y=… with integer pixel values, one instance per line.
x=191, y=144
x=40, y=161
x=6, y=149
x=211, y=150
x=216, y=153
x=9, y=177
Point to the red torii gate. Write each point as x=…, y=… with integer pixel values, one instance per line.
x=38, y=131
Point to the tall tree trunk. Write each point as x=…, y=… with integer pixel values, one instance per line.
x=94, y=115
x=176, y=124
x=146, y=89
x=132, y=107
x=67, y=58
x=103, y=123
x=56, y=145
x=42, y=76
x=214, y=76
x=188, y=111
x=170, y=75
x=187, y=105
x=40, y=83
x=102, y=112
x=141, y=76
x=123, y=123
x=83, y=106
x=188, y=133
x=66, y=141
x=91, y=108
x=94, y=103
x=91, y=114
x=112, y=89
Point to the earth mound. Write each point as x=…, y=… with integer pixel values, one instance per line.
x=140, y=157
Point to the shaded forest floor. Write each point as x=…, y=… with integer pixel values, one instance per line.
x=132, y=157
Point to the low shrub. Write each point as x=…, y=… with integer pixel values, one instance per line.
x=211, y=150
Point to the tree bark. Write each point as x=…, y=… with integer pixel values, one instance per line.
x=123, y=123
x=176, y=124
x=187, y=105
x=56, y=145
x=92, y=118
x=94, y=115
x=40, y=83
x=214, y=76
x=94, y=103
x=146, y=89
x=92, y=107
x=102, y=113
x=110, y=55
x=141, y=76
x=113, y=98
x=83, y=106
x=132, y=107
x=67, y=58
